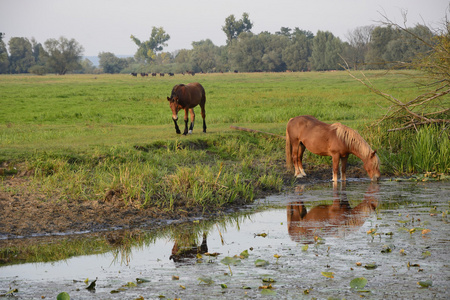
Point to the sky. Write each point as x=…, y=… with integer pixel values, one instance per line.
x=106, y=25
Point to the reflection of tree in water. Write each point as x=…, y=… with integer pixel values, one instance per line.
x=187, y=246
x=334, y=219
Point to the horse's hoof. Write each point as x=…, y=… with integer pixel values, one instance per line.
x=190, y=132
x=299, y=176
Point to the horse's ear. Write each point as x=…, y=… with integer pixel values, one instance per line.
x=168, y=99
x=374, y=152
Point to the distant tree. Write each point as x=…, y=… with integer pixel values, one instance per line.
x=325, y=51
x=64, y=55
x=358, y=40
x=110, y=63
x=21, y=55
x=4, y=60
x=147, y=50
x=87, y=67
x=246, y=52
x=296, y=54
x=379, y=39
x=233, y=28
x=204, y=56
x=286, y=31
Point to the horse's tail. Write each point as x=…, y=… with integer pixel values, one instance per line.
x=288, y=151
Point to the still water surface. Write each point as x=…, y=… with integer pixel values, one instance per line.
x=315, y=231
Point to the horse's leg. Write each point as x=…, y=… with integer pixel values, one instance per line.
x=186, y=119
x=177, y=129
x=344, y=167
x=300, y=159
x=203, y=116
x=336, y=159
x=294, y=154
x=191, y=110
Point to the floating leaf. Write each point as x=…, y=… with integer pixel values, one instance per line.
x=425, y=231
x=206, y=280
x=426, y=283
x=91, y=287
x=230, y=260
x=261, y=234
x=358, y=283
x=305, y=248
x=174, y=277
x=141, y=280
x=276, y=256
x=426, y=254
x=371, y=266
x=261, y=263
x=246, y=288
x=402, y=252
x=130, y=284
x=244, y=254
x=63, y=296
x=328, y=274
x=182, y=286
x=212, y=254
x=224, y=286
x=268, y=280
x=268, y=292
x=359, y=264
x=266, y=287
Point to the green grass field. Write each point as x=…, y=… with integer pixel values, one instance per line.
x=82, y=135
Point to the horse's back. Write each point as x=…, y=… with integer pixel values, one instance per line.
x=303, y=126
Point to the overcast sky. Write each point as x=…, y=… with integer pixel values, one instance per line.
x=106, y=25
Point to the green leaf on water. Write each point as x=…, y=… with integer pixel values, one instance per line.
x=244, y=254
x=224, y=286
x=328, y=274
x=261, y=263
x=426, y=283
x=63, y=296
x=358, y=283
x=206, y=280
x=228, y=260
x=268, y=292
x=141, y=280
x=426, y=253
x=268, y=280
x=371, y=266
x=305, y=248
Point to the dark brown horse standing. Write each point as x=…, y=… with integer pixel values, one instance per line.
x=335, y=140
x=187, y=97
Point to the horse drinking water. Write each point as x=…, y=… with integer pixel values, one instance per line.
x=335, y=140
x=187, y=97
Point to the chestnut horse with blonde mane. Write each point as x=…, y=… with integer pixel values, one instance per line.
x=335, y=140
x=187, y=97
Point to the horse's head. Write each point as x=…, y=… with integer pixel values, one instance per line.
x=173, y=100
x=372, y=166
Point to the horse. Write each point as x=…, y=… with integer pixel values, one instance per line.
x=187, y=97
x=335, y=140
x=336, y=219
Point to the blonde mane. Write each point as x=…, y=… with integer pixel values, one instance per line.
x=352, y=139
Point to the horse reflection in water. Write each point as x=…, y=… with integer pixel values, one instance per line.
x=186, y=247
x=335, y=219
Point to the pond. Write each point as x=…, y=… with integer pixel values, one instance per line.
x=348, y=241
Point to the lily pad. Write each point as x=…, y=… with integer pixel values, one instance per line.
x=358, y=283
x=206, y=280
x=425, y=284
x=328, y=274
x=261, y=263
x=228, y=260
x=63, y=296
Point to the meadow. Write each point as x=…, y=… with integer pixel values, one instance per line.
x=87, y=136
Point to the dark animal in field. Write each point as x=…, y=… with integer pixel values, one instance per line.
x=153, y=74
x=171, y=74
x=161, y=74
x=134, y=74
x=187, y=97
x=335, y=140
x=144, y=74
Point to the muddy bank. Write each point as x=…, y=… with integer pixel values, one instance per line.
x=26, y=212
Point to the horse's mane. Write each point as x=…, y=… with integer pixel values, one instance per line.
x=352, y=139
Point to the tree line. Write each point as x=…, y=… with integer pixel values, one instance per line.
x=368, y=47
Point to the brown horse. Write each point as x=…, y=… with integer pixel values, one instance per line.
x=335, y=219
x=187, y=97
x=335, y=140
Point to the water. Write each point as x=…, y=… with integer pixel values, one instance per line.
x=370, y=224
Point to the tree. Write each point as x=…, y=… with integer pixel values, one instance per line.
x=147, y=50
x=358, y=40
x=204, y=56
x=325, y=51
x=21, y=55
x=296, y=54
x=233, y=28
x=4, y=61
x=379, y=39
x=64, y=55
x=110, y=63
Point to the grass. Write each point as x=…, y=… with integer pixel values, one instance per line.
x=84, y=136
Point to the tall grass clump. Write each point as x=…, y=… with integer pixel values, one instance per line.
x=411, y=151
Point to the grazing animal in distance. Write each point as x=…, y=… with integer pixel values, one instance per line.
x=335, y=140
x=187, y=97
